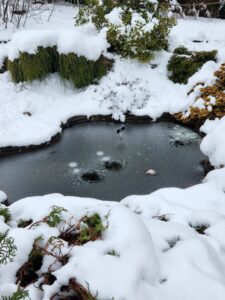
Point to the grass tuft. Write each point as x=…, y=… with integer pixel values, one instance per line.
x=80, y=71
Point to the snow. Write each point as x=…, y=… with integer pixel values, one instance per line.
x=191, y=263
x=3, y=196
x=151, y=172
x=120, y=221
x=161, y=251
x=79, y=41
x=100, y=153
x=213, y=144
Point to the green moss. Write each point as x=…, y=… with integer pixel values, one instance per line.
x=29, y=67
x=183, y=64
x=81, y=71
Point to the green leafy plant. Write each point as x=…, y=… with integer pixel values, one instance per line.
x=91, y=228
x=18, y=295
x=4, y=211
x=7, y=248
x=184, y=63
x=55, y=216
x=142, y=30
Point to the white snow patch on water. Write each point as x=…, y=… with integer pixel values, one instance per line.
x=105, y=158
x=73, y=164
x=76, y=171
x=100, y=153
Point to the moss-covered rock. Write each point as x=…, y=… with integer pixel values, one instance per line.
x=211, y=102
x=184, y=63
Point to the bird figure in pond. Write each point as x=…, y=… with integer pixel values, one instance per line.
x=120, y=132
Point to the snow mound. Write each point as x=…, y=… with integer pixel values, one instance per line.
x=3, y=196
x=121, y=265
x=186, y=227
x=79, y=41
x=213, y=145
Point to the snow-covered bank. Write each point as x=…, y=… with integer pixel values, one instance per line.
x=96, y=265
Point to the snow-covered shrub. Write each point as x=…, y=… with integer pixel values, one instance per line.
x=184, y=63
x=210, y=100
x=135, y=29
x=81, y=71
x=35, y=54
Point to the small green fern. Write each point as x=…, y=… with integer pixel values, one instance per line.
x=18, y=295
x=55, y=216
x=7, y=248
x=4, y=211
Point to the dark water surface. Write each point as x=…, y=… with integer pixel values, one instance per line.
x=171, y=150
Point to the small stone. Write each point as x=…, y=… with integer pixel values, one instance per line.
x=150, y=172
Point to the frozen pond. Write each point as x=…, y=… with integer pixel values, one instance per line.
x=67, y=166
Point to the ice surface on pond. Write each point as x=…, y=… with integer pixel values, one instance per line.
x=75, y=155
x=183, y=136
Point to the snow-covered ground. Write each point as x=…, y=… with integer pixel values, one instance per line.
x=168, y=245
